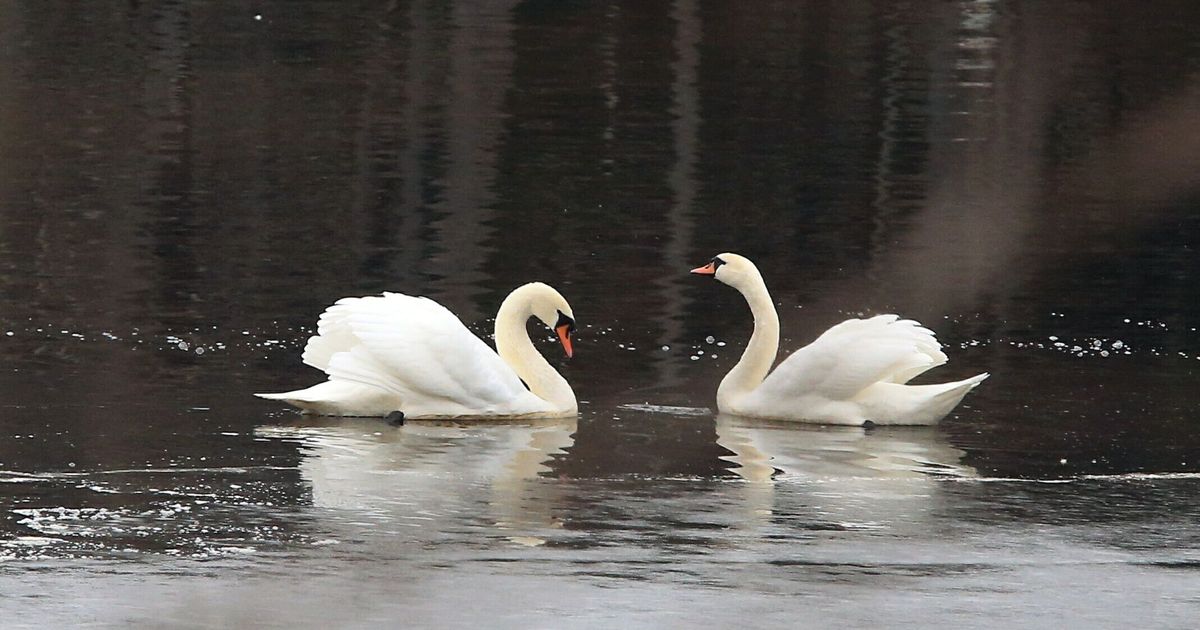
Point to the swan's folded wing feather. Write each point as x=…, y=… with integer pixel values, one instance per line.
x=855, y=354
x=417, y=348
x=334, y=334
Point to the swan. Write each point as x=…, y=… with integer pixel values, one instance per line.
x=855, y=373
x=396, y=352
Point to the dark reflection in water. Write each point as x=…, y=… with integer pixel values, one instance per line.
x=184, y=187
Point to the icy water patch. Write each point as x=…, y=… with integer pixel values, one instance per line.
x=193, y=512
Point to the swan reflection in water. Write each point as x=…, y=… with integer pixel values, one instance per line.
x=431, y=475
x=843, y=477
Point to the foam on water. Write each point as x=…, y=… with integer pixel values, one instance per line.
x=206, y=340
x=667, y=409
x=197, y=340
x=1119, y=477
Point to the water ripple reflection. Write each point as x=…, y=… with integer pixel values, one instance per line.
x=442, y=477
x=766, y=449
x=840, y=477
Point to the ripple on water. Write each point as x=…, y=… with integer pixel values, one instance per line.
x=196, y=513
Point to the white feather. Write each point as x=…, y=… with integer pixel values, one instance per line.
x=855, y=354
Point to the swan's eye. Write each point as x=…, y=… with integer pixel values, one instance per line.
x=716, y=263
x=563, y=320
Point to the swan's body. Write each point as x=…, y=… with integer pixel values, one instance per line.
x=855, y=372
x=395, y=352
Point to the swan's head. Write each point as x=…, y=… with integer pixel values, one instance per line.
x=732, y=269
x=552, y=309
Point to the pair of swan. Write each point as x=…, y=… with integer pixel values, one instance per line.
x=401, y=353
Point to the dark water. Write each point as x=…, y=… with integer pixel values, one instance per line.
x=184, y=186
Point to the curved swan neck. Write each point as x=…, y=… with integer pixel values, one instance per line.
x=759, y=355
x=517, y=350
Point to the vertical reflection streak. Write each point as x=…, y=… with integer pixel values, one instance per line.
x=685, y=130
x=10, y=24
x=481, y=57
x=415, y=95
x=895, y=67
x=374, y=105
x=175, y=224
x=608, y=85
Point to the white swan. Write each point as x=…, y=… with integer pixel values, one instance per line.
x=854, y=373
x=397, y=352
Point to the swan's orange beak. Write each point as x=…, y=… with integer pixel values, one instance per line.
x=706, y=270
x=564, y=336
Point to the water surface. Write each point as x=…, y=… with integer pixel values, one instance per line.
x=185, y=186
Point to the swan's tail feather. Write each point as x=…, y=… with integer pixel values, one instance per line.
x=294, y=399
x=340, y=398
x=946, y=400
x=277, y=396
x=974, y=381
x=892, y=403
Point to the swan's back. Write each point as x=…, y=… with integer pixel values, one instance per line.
x=857, y=371
x=855, y=354
x=336, y=326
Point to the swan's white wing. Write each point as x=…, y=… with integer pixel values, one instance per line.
x=853, y=355
x=334, y=334
x=413, y=347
